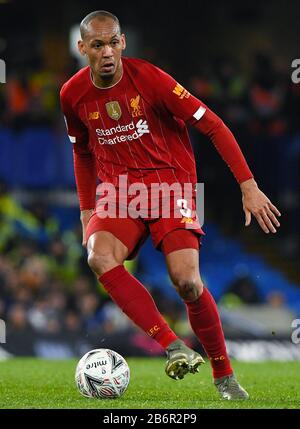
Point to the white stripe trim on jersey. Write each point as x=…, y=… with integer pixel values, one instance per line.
x=72, y=139
x=200, y=112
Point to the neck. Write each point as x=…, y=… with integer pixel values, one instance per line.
x=101, y=82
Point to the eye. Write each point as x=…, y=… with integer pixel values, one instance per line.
x=115, y=42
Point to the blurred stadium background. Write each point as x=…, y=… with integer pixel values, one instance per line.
x=237, y=58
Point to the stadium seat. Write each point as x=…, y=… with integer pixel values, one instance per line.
x=7, y=156
x=65, y=162
x=153, y=271
x=221, y=258
x=36, y=163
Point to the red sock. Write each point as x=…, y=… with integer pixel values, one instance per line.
x=137, y=303
x=205, y=320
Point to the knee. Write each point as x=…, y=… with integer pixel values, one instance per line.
x=188, y=287
x=101, y=261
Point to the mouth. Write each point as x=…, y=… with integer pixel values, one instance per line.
x=107, y=67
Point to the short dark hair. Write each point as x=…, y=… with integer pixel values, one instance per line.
x=100, y=14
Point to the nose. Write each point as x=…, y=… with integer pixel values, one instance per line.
x=107, y=51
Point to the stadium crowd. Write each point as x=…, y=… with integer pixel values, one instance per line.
x=46, y=285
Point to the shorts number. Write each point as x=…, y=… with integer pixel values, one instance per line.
x=184, y=211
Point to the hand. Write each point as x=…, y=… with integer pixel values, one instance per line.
x=257, y=203
x=85, y=217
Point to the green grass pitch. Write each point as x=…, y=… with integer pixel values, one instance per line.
x=38, y=383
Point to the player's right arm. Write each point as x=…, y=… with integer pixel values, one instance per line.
x=84, y=161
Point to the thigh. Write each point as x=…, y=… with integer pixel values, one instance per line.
x=181, y=249
x=105, y=245
x=123, y=236
x=162, y=227
x=171, y=234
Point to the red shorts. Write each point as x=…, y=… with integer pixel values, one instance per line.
x=134, y=232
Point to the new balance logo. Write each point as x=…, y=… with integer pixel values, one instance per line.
x=94, y=115
x=142, y=127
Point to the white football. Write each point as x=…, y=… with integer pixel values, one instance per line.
x=102, y=373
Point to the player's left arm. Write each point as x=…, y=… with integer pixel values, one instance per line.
x=184, y=105
x=255, y=202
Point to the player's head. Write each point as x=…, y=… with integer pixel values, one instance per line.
x=102, y=42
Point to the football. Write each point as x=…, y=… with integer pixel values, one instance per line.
x=103, y=374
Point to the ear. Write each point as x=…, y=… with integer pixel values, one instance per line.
x=123, y=41
x=81, y=47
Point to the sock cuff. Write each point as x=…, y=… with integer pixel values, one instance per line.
x=195, y=304
x=205, y=293
x=112, y=275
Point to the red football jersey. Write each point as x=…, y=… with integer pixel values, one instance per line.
x=134, y=128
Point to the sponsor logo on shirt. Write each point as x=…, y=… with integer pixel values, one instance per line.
x=134, y=103
x=181, y=91
x=114, y=110
x=94, y=115
x=142, y=127
x=117, y=134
